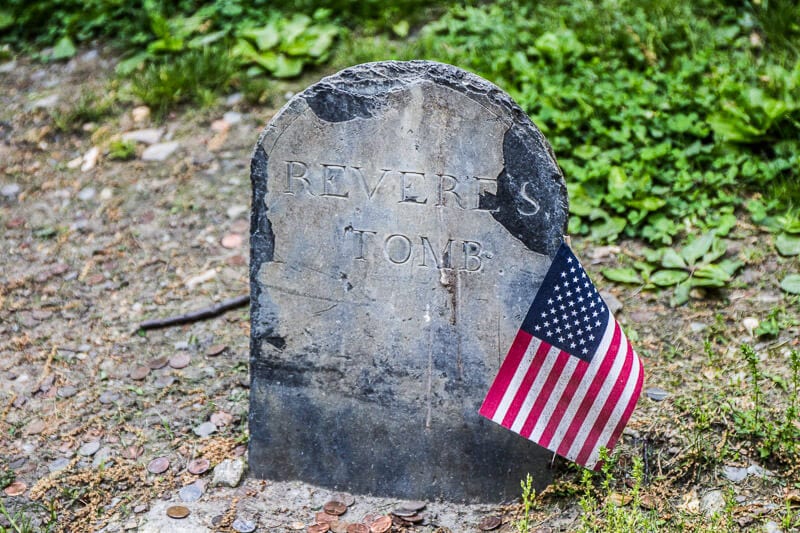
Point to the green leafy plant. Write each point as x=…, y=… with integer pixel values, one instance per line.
x=523, y=525
x=121, y=150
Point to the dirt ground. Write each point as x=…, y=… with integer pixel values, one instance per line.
x=91, y=248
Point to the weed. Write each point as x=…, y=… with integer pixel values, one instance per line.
x=89, y=107
x=121, y=150
x=523, y=525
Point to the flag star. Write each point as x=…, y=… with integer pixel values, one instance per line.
x=591, y=337
x=583, y=309
x=595, y=314
x=580, y=299
x=572, y=304
x=577, y=321
x=586, y=318
x=561, y=339
x=555, y=320
x=569, y=293
x=574, y=312
x=537, y=327
x=585, y=351
x=572, y=269
x=559, y=298
x=565, y=318
x=549, y=333
x=564, y=274
x=550, y=301
x=592, y=304
x=563, y=307
x=582, y=341
x=586, y=284
x=597, y=324
x=547, y=324
x=575, y=279
x=569, y=260
x=583, y=275
x=557, y=288
x=570, y=335
x=544, y=314
x=566, y=325
x=566, y=284
x=558, y=329
x=572, y=345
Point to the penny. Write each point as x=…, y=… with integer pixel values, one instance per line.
x=132, y=452
x=325, y=518
x=381, y=525
x=318, y=528
x=198, y=466
x=345, y=498
x=215, y=350
x=413, y=505
x=357, y=528
x=403, y=512
x=177, y=511
x=414, y=518
x=158, y=465
x=15, y=489
x=180, y=360
x=335, y=508
x=489, y=523
x=139, y=372
x=158, y=362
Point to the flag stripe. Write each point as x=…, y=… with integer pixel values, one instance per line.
x=627, y=401
x=506, y=374
x=556, y=395
x=591, y=388
x=525, y=385
x=548, y=362
x=605, y=399
x=552, y=382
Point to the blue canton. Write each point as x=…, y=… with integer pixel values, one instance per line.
x=568, y=312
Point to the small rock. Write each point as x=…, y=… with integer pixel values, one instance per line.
x=106, y=194
x=734, y=473
x=35, y=427
x=86, y=194
x=235, y=210
x=221, y=418
x=772, y=527
x=229, y=472
x=712, y=502
x=243, y=526
x=89, y=162
x=231, y=100
x=204, y=430
x=102, y=457
x=232, y=117
x=58, y=465
x=90, y=448
x=67, y=392
x=140, y=113
x=232, y=240
x=657, y=394
x=750, y=324
x=146, y=136
x=10, y=190
x=697, y=327
x=220, y=126
x=160, y=151
x=194, y=281
x=612, y=302
x=108, y=397
x=755, y=470
x=191, y=493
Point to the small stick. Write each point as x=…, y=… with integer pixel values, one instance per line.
x=195, y=316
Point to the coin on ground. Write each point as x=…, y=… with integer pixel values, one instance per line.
x=177, y=511
x=345, y=498
x=318, y=528
x=139, y=372
x=198, y=466
x=243, y=526
x=335, y=508
x=15, y=489
x=215, y=350
x=180, y=360
x=158, y=362
x=357, y=528
x=489, y=523
x=158, y=465
x=381, y=525
x=325, y=518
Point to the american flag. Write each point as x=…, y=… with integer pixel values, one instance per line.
x=571, y=379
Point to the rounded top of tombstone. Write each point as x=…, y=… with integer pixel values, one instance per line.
x=531, y=196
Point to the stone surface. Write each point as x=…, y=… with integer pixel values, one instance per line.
x=159, y=151
x=146, y=136
x=228, y=473
x=404, y=215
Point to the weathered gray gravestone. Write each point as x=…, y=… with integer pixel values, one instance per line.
x=403, y=215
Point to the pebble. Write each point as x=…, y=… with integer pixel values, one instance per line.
x=47, y=101
x=90, y=448
x=58, y=465
x=229, y=472
x=35, y=427
x=231, y=100
x=712, y=502
x=772, y=527
x=232, y=117
x=86, y=194
x=108, y=397
x=89, y=161
x=191, y=493
x=235, y=210
x=106, y=194
x=163, y=382
x=140, y=113
x=697, y=327
x=755, y=470
x=205, y=429
x=67, y=391
x=221, y=418
x=11, y=190
x=160, y=151
x=750, y=324
x=657, y=394
x=734, y=473
x=146, y=136
x=232, y=240
x=102, y=457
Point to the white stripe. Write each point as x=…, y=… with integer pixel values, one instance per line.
x=536, y=387
x=586, y=382
x=519, y=375
x=613, y=420
x=605, y=391
x=555, y=397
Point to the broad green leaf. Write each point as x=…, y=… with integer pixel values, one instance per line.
x=295, y=27
x=609, y=229
x=323, y=41
x=791, y=284
x=648, y=203
x=618, y=186
x=264, y=38
x=666, y=278
x=730, y=128
x=64, y=49
x=622, y=275
x=788, y=244
x=718, y=249
x=401, y=28
x=204, y=40
x=671, y=259
x=705, y=282
x=286, y=67
x=127, y=66
x=681, y=294
x=697, y=248
x=6, y=19
x=712, y=272
x=725, y=224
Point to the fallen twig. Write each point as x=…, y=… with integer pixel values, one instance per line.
x=195, y=316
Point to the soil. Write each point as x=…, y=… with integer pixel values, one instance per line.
x=87, y=400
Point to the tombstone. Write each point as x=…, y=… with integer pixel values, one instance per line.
x=403, y=218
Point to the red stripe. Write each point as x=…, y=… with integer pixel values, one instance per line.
x=543, y=395
x=525, y=385
x=563, y=403
x=605, y=413
x=506, y=374
x=591, y=393
x=628, y=410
